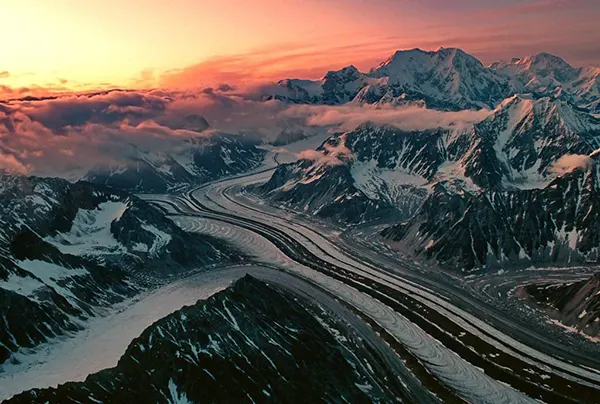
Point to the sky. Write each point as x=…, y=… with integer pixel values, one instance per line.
x=74, y=45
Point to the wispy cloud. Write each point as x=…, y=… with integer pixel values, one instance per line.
x=349, y=117
x=570, y=162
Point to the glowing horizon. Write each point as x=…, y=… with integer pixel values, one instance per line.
x=68, y=45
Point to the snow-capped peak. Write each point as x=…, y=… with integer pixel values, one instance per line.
x=543, y=61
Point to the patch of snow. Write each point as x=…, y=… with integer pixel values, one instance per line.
x=161, y=239
x=451, y=170
x=24, y=286
x=176, y=397
x=570, y=237
x=90, y=232
x=50, y=273
x=376, y=182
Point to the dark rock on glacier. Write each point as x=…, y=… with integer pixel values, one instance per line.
x=573, y=304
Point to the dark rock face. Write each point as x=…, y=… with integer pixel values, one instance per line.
x=202, y=160
x=576, y=305
x=326, y=191
x=558, y=224
x=227, y=155
x=69, y=249
x=249, y=343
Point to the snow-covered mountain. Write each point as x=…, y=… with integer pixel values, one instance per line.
x=558, y=224
x=444, y=79
x=250, y=343
x=574, y=305
x=449, y=79
x=524, y=136
x=383, y=167
x=528, y=168
x=69, y=249
x=548, y=75
x=200, y=160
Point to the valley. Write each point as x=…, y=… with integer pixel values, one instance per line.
x=429, y=229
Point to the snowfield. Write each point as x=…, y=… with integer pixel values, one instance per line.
x=90, y=233
x=105, y=339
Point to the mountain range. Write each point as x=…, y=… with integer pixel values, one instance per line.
x=70, y=250
x=519, y=187
x=252, y=342
x=200, y=160
x=448, y=79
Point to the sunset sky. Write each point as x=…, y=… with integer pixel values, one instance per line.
x=66, y=45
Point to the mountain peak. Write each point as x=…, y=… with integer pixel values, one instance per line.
x=539, y=62
x=348, y=71
x=546, y=60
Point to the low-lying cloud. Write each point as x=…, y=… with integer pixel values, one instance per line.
x=571, y=162
x=349, y=117
x=77, y=132
x=319, y=158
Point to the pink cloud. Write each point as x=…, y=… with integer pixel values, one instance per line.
x=571, y=162
x=349, y=117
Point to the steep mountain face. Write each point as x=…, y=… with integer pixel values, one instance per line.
x=543, y=74
x=548, y=75
x=200, y=160
x=467, y=229
x=444, y=79
x=362, y=175
x=575, y=305
x=252, y=342
x=383, y=168
x=524, y=136
x=68, y=249
x=323, y=190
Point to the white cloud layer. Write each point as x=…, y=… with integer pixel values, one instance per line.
x=78, y=132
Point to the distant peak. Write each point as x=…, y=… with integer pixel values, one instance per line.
x=350, y=72
x=403, y=54
x=441, y=49
x=350, y=69
x=545, y=60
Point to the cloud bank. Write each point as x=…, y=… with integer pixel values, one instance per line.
x=61, y=136
x=349, y=117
